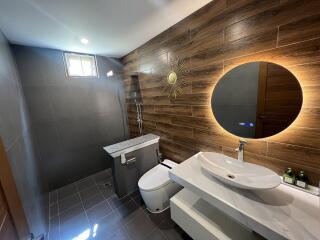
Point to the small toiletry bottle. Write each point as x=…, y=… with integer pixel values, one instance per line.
x=302, y=180
x=289, y=177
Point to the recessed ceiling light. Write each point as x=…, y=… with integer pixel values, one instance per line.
x=84, y=41
x=110, y=73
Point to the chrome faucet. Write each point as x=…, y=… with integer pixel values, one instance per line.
x=240, y=149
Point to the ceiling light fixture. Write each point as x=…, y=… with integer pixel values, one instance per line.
x=84, y=41
x=110, y=73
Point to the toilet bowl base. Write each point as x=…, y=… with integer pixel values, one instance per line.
x=157, y=212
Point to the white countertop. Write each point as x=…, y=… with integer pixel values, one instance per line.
x=280, y=213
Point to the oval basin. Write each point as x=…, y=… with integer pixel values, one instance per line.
x=238, y=174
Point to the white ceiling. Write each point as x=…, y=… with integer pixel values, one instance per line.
x=113, y=27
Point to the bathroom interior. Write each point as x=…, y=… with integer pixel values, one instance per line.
x=157, y=119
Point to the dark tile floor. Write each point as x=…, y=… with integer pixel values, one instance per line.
x=89, y=210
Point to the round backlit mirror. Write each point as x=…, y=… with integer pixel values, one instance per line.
x=256, y=100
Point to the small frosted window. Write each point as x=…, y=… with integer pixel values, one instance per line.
x=80, y=65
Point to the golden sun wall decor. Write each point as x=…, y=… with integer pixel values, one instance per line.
x=173, y=81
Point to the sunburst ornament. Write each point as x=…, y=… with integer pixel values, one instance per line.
x=173, y=82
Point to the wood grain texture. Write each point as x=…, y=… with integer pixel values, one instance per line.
x=297, y=31
x=213, y=40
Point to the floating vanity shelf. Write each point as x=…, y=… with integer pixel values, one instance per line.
x=203, y=221
x=280, y=213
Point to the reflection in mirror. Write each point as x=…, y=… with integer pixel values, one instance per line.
x=257, y=100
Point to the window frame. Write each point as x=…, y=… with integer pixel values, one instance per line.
x=66, y=64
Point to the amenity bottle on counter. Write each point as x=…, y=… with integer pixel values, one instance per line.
x=289, y=177
x=302, y=180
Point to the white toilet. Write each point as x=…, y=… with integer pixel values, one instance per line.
x=157, y=188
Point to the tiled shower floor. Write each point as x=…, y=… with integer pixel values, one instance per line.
x=89, y=209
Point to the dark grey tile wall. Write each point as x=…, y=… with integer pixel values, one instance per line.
x=72, y=118
x=15, y=131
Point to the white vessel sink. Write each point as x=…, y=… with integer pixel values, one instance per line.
x=236, y=173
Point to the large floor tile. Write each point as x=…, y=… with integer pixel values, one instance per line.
x=53, y=197
x=175, y=233
x=66, y=191
x=54, y=228
x=140, y=226
x=137, y=198
x=69, y=202
x=155, y=235
x=91, y=202
x=110, y=223
x=116, y=202
x=54, y=224
x=161, y=220
x=54, y=210
x=90, y=210
x=98, y=212
x=102, y=176
x=118, y=234
x=75, y=227
x=89, y=192
x=128, y=211
x=107, y=191
x=71, y=213
x=54, y=235
x=85, y=183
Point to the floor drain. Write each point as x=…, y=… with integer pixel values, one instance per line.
x=108, y=184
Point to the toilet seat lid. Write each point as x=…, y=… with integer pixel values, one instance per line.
x=156, y=177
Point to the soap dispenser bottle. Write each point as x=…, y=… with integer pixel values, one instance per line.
x=289, y=177
x=302, y=180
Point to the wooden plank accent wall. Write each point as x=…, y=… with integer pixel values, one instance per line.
x=218, y=37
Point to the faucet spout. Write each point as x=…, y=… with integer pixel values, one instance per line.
x=240, y=149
